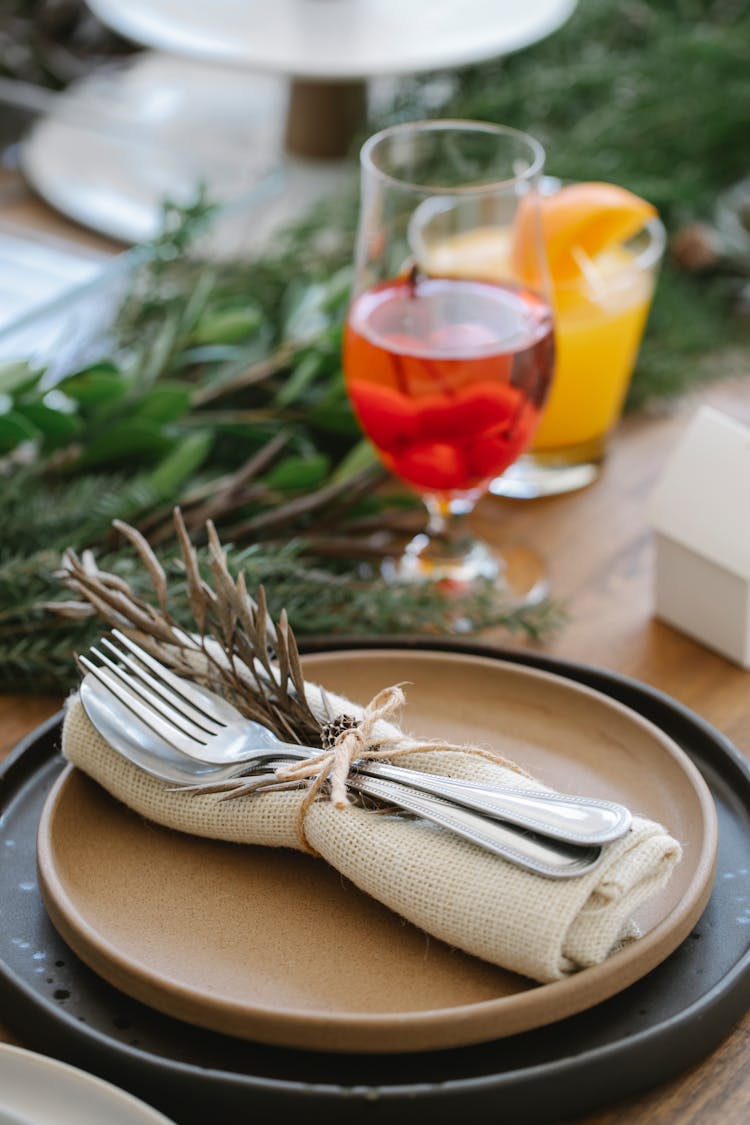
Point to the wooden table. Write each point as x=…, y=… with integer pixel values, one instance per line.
x=598, y=547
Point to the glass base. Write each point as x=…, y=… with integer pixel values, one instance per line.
x=518, y=573
x=551, y=473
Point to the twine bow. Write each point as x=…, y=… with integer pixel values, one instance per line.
x=357, y=743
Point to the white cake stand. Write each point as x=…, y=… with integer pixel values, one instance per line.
x=294, y=71
x=336, y=39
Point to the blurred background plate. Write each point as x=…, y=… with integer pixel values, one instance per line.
x=36, y=1090
x=116, y=143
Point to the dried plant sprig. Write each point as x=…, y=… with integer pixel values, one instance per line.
x=199, y=597
x=234, y=647
x=152, y=564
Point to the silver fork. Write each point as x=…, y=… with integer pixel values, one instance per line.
x=134, y=740
x=202, y=725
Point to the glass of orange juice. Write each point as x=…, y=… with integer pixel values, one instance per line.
x=603, y=248
x=601, y=306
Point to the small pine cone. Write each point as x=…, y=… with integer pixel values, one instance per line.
x=696, y=248
x=330, y=731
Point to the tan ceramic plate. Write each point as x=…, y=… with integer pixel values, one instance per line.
x=275, y=946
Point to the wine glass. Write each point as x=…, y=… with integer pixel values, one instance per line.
x=447, y=371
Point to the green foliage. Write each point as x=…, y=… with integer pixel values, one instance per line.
x=223, y=383
x=652, y=96
x=690, y=323
x=36, y=645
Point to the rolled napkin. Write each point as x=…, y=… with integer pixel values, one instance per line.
x=454, y=890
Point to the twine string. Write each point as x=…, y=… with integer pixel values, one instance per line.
x=362, y=743
x=359, y=742
x=356, y=743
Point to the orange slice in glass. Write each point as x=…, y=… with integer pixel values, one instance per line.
x=578, y=222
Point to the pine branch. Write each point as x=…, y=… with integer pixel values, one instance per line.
x=210, y=627
x=36, y=643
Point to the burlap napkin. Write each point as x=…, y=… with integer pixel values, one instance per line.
x=542, y=928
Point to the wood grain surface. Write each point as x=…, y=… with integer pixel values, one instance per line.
x=598, y=548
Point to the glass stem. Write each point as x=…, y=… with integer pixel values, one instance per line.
x=448, y=529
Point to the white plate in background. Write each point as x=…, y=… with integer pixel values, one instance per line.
x=37, y=1090
x=119, y=141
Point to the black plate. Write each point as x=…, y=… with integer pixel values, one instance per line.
x=645, y=1035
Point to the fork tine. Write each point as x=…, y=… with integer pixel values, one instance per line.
x=174, y=717
x=180, y=703
x=207, y=702
x=133, y=703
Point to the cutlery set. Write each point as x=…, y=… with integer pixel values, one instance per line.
x=182, y=733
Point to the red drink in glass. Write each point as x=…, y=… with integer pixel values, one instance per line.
x=448, y=377
x=448, y=374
